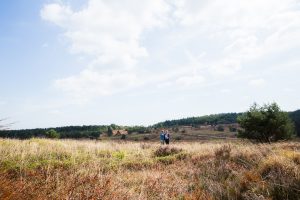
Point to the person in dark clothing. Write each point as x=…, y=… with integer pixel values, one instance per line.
x=167, y=137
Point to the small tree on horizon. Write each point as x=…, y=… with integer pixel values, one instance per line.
x=109, y=131
x=52, y=134
x=266, y=123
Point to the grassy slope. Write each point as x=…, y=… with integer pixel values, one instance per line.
x=69, y=169
x=187, y=135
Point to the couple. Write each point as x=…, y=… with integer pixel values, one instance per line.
x=164, y=137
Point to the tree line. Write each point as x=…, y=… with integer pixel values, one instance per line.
x=215, y=119
x=94, y=131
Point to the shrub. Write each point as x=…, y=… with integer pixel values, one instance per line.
x=176, y=129
x=223, y=153
x=120, y=155
x=220, y=128
x=266, y=123
x=178, y=138
x=52, y=134
x=167, y=160
x=123, y=137
x=232, y=129
x=295, y=116
x=166, y=151
x=109, y=131
x=283, y=177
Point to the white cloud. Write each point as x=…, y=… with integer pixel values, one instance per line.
x=250, y=28
x=108, y=30
x=56, y=13
x=110, y=33
x=202, y=41
x=257, y=82
x=225, y=67
x=188, y=81
x=225, y=91
x=91, y=83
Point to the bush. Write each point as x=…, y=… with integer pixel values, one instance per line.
x=266, y=123
x=52, y=134
x=123, y=137
x=176, y=129
x=220, y=128
x=109, y=131
x=295, y=116
x=166, y=151
x=223, y=153
x=283, y=177
x=232, y=129
x=178, y=138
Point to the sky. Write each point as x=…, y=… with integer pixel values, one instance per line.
x=138, y=62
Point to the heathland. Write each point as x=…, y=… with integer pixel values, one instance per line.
x=93, y=169
x=216, y=125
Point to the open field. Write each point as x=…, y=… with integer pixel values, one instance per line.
x=70, y=169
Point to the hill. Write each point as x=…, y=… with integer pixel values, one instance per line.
x=95, y=131
x=215, y=119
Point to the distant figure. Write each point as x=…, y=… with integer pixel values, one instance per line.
x=167, y=137
x=162, y=137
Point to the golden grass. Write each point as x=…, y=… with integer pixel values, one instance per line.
x=72, y=169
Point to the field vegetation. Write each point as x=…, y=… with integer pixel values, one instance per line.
x=224, y=122
x=90, y=169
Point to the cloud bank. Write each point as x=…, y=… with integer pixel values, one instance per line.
x=183, y=43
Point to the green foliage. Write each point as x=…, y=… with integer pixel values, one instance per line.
x=109, y=131
x=266, y=123
x=123, y=137
x=137, y=129
x=94, y=131
x=65, y=132
x=295, y=116
x=120, y=155
x=167, y=160
x=52, y=134
x=224, y=118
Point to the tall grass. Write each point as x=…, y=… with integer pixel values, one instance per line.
x=70, y=169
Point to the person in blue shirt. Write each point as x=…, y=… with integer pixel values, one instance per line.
x=162, y=137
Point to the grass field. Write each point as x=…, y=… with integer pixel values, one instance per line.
x=70, y=169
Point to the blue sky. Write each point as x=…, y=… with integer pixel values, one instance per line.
x=139, y=62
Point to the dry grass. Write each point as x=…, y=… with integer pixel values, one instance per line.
x=69, y=169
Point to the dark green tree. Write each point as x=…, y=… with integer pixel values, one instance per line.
x=295, y=116
x=109, y=131
x=266, y=123
x=123, y=137
x=52, y=134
